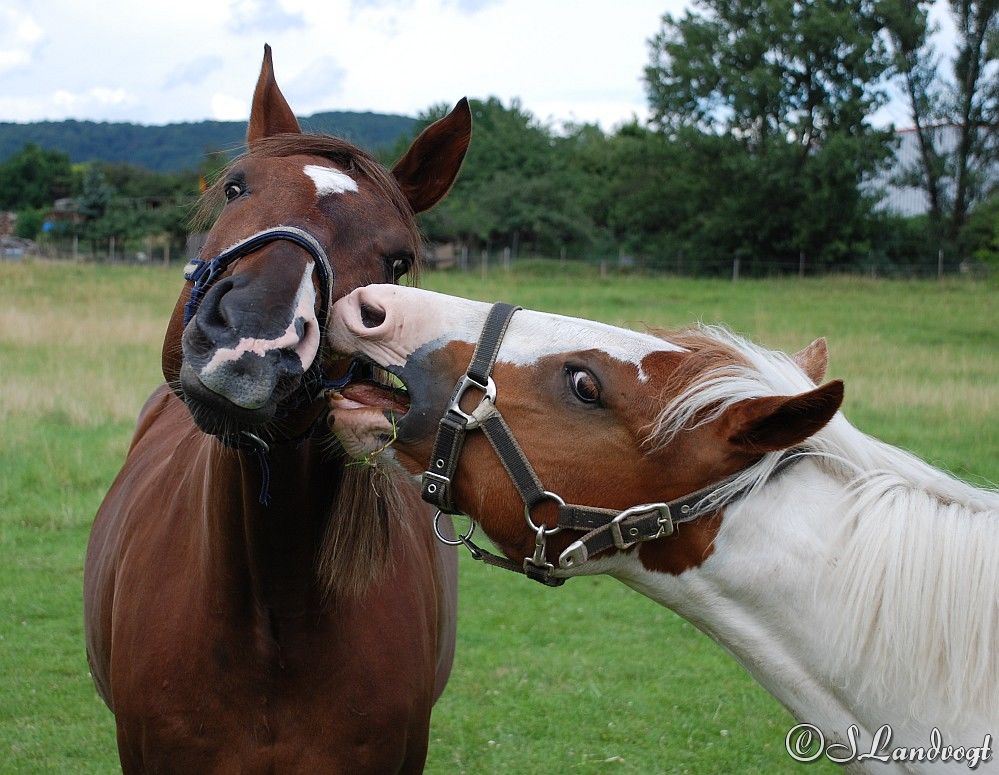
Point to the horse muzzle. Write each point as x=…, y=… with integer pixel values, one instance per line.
x=251, y=340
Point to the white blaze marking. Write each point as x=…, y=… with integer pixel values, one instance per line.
x=419, y=317
x=306, y=348
x=330, y=180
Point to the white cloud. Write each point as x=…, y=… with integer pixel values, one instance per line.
x=192, y=72
x=225, y=107
x=103, y=96
x=20, y=36
x=190, y=60
x=263, y=16
x=316, y=86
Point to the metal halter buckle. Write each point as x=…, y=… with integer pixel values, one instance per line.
x=574, y=554
x=665, y=523
x=466, y=383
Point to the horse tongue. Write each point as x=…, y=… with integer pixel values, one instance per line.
x=377, y=396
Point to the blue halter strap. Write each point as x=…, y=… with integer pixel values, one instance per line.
x=203, y=273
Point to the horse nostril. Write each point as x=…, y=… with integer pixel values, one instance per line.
x=371, y=317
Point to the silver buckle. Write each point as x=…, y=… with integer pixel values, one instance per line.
x=665, y=523
x=463, y=386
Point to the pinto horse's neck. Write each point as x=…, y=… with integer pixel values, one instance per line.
x=760, y=593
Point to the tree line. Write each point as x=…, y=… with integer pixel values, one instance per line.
x=761, y=147
x=107, y=201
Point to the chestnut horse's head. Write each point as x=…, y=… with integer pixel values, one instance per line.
x=253, y=349
x=607, y=418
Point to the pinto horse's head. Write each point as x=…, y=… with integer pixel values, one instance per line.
x=242, y=359
x=607, y=418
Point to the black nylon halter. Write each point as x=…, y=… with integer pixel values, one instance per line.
x=603, y=528
x=204, y=273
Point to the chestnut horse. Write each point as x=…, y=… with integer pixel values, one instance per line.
x=252, y=603
x=858, y=584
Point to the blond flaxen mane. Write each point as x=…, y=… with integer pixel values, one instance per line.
x=912, y=581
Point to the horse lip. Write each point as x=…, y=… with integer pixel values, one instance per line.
x=214, y=413
x=361, y=385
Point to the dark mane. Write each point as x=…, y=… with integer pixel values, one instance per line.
x=340, y=152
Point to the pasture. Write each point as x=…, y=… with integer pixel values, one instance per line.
x=591, y=677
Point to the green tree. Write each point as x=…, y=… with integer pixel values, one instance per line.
x=95, y=194
x=979, y=238
x=29, y=223
x=788, y=86
x=517, y=186
x=768, y=71
x=34, y=178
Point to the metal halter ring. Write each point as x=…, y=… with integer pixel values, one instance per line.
x=541, y=528
x=460, y=540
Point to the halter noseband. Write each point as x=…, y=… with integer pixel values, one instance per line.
x=204, y=273
x=603, y=528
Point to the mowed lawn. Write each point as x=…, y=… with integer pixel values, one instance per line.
x=590, y=677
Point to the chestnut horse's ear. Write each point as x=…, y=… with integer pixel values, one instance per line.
x=269, y=114
x=772, y=423
x=813, y=360
x=427, y=170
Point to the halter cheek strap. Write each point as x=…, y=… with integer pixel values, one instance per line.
x=603, y=528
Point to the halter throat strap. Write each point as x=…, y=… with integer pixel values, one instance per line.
x=603, y=528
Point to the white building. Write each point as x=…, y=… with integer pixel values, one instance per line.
x=912, y=200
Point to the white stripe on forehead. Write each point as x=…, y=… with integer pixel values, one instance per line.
x=532, y=335
x=535, y=335
x=329, y=180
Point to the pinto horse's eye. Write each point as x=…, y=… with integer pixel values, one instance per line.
x=584, y=385
x=232, y=190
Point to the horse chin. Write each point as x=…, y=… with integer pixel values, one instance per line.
x=217, y=415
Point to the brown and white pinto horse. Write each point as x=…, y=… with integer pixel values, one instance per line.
x=859, y=585
x=252, y=603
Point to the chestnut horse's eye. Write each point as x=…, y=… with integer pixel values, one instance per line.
x=232, y=190
x=584, y=385
x=398, y=266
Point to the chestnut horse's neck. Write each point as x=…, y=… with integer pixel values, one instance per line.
x=268, y=554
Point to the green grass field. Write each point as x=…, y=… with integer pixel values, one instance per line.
x=587, y=678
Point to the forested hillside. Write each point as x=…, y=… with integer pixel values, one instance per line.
x=176, y=147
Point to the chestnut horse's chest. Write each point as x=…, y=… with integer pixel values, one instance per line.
x=203, y=676
x=215, y=698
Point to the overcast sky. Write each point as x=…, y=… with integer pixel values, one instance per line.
x=187, y=60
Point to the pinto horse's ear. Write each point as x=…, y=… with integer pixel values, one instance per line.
x=813, y=360
x=270, y=114
x=427, y=170
x=772, y=423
